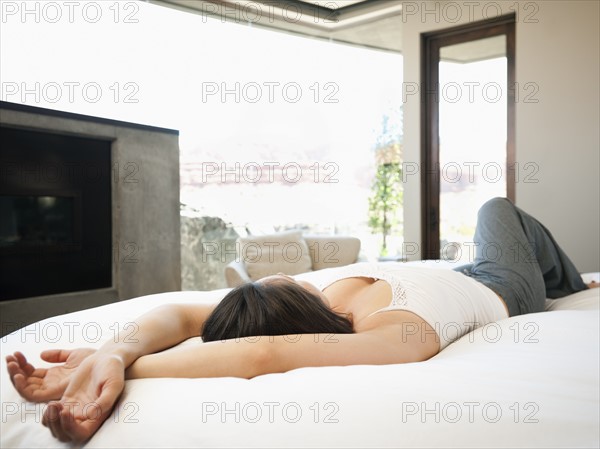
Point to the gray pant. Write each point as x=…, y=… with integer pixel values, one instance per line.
x=517, y=257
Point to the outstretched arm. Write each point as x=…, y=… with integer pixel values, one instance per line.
x=250, y=357
x=99, y=381
x=95, y=380
x=161, y=328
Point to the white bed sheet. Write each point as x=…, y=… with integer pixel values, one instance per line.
x=526, y=381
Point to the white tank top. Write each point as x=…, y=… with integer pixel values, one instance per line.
x=450, y=302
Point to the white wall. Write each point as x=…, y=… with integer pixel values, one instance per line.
x=557, y=48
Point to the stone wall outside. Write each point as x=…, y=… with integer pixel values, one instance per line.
x=207, y=246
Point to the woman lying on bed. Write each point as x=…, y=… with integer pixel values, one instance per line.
x=295, y=324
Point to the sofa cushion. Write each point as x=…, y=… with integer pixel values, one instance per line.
x=284, y=252
x=328, y=251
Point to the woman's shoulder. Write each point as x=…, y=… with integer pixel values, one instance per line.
x=325, y=277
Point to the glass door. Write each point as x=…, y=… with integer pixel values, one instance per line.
x=472, y=138
x=467, y=131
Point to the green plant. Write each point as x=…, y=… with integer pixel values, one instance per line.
x=385, y=201
x=386, y=198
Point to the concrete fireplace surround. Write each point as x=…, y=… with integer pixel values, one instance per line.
x=145, y=213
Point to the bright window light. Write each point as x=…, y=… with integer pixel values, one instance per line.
x=276, y=130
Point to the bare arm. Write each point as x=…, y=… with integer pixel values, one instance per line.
x=250, y=357
x=161, y=328
x=97, y=377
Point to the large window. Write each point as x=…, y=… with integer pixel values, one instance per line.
x=276, y=130
x=287, y=137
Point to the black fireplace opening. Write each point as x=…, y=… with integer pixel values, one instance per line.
x=39, y=221
x=55, y=213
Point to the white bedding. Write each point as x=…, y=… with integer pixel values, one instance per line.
x=530, y=380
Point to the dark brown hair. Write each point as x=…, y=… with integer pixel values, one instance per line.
x=280, y=308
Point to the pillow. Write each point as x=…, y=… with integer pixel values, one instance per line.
x=284, y=252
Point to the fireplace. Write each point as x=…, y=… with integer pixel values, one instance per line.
x=55, y=213
x=89, y=212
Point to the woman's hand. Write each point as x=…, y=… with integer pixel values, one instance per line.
x=45, y=384
x=89, y=384
x=88, y=399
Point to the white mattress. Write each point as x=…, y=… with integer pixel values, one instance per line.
x=526, y=381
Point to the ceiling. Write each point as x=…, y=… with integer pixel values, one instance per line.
x=333, y=4
x=368, y=23
x=477, y=50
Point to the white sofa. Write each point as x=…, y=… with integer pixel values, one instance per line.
x=260, y=256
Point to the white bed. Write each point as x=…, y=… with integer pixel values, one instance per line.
x=527, y=381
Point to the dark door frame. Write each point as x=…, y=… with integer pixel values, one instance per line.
x=430, y=58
